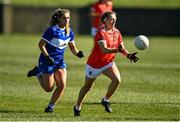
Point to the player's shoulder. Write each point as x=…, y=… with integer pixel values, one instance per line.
x=49, y=29
x=117, y=31
x=52, y=28
x=71, y=30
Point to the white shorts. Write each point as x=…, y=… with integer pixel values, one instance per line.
x=93, y=31
x=94, y=72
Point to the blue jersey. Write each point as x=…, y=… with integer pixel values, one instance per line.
x=57, y=41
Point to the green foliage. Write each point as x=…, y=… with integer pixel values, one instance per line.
x=117, y=3
x=149, y=88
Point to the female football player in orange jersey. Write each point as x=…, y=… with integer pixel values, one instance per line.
x=108, y=42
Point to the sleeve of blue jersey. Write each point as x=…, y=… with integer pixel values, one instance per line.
x=71, y=35
x=48, y=34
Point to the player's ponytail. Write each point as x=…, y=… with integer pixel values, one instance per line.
x=67, y=29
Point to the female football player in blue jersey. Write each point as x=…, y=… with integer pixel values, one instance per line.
x=51, y=66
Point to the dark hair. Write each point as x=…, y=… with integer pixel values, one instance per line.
x=58, y=14
x=106, y=15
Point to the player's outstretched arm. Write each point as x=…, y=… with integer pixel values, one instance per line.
x=131, y=56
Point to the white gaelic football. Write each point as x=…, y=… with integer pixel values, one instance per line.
x=141, y=42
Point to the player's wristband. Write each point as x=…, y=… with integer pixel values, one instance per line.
x=128, y=56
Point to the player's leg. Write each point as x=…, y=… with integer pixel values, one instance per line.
x=86, y=87
x=60, y=76
x=114, y=75
x=46, y=81
x=82, y=94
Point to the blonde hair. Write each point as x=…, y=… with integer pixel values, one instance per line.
x=55, y=18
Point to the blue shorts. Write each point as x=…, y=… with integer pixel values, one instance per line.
x=44, y=67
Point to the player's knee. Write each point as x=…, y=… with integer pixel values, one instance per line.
x=49, y=89
x=116, y=81
x=61, y=87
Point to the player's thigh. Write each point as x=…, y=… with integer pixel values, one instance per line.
x=113, y=73
x=89, y=82
x=60, y=76
x=48, y=80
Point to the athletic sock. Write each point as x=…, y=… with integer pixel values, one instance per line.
x=78, y=107
x=105, y=99
x=51, y=105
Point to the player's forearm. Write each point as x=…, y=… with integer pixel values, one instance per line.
x=74, y=51
x=43, y=51
x=109, y=50
x=124, y=52
x=73, y=48
x=42, y=48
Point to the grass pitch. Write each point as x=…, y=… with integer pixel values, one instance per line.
x=149, y=89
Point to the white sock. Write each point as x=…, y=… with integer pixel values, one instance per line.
x=78, y=107
x=105, y=99
x=51, y=105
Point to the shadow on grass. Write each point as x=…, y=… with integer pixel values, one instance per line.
x=140, y=111
x=17, y=111
x=25, y=112
x=155, y=103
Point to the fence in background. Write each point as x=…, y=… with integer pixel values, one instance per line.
x=20, y=19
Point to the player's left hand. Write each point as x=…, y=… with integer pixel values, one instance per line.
x=80, y=54
x=132, y=57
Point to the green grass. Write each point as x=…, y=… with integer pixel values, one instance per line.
x=149, y=89
x=117, y=3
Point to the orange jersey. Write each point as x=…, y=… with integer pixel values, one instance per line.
x=97, y=58
x=99, y=9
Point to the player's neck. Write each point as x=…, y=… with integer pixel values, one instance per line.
x=109, y=29
x=60, y=26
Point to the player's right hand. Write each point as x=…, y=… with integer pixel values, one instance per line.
x=49, y=60
x=132, y=57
